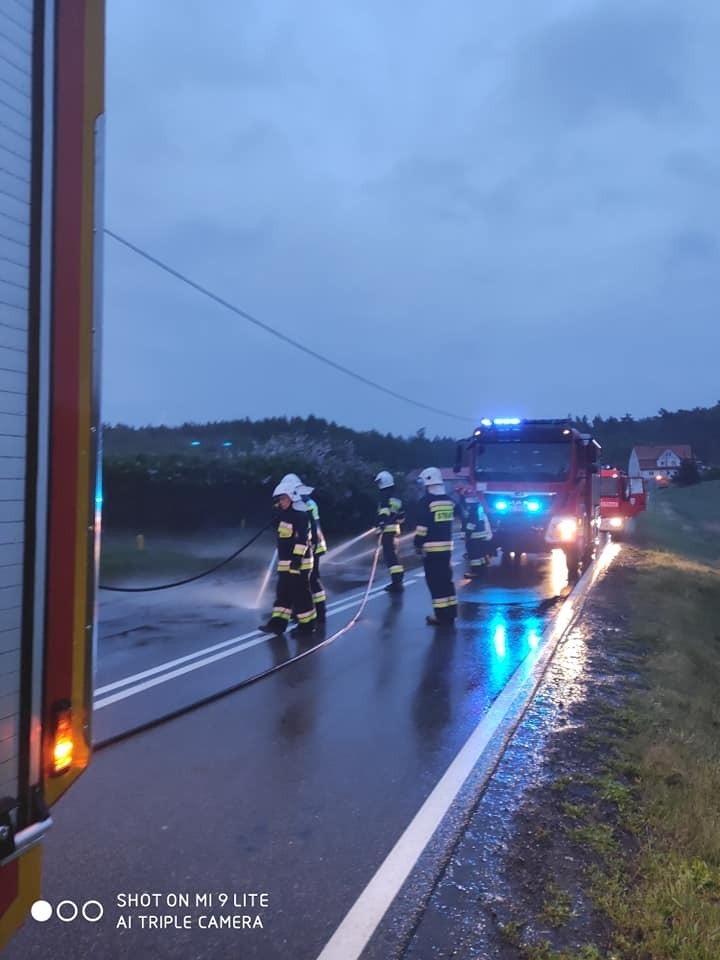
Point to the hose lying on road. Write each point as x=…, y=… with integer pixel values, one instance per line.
x=205, y=701
x=197, y=576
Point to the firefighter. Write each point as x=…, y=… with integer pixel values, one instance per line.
x=477, y=534
x=319, y=545
x=390, y=515
x=433, y=542
x=294, y=551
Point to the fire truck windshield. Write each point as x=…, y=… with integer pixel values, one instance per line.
x=609, y=486
x=517, y=460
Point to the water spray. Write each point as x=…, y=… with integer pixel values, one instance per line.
x=266, y=578
x=343, y=546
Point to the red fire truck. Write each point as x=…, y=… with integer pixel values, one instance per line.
x=621, y=499
x=51, y=135
x=538, y=483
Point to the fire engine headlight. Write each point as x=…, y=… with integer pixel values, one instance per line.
x=567, y=528
x=616, y=523
x=563, y=529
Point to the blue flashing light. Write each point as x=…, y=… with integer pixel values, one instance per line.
x=506, y=421
x=501, y=505
x=533, y=506
x=227, y=443
x=485, y=422
x=194, y=443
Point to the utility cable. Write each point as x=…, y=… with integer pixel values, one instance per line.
x=277, y=333
x=197, y=576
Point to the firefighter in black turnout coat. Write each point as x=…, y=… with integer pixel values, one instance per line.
x=390, y=515
x=318, y=541
x=294, y=550
x=434, y=542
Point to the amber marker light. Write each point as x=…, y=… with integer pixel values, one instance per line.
x=62, y=740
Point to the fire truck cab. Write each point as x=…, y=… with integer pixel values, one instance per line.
x=538, y=483
x=621, y=499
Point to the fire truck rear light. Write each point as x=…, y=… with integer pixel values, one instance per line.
x=62, y=740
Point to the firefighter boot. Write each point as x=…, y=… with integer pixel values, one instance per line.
x=396, y=582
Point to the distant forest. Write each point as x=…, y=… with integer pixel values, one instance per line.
x=222, y=474
x=699, y=427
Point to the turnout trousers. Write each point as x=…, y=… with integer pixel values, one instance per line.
x=317, y=590
x=292, y=593
x=438, y=576
x=391, y=558
x=476, y=547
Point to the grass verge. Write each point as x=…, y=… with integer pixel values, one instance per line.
x=664, y=900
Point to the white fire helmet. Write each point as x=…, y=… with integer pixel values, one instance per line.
x=301, y=487
x=432, y=479
x=289, y=489
x=384, y=480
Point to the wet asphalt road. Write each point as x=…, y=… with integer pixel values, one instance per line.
x=296, y=787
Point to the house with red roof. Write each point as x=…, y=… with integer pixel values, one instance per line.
x=660, y=462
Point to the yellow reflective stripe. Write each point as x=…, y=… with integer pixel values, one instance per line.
x=421, y=531
x=440, y=603
x=280, y=613
x=299, y=549
x=306, y=616
x=285, y=529
x=283, y=565
x=397, y=568
x=384, y=511
x=437, y=546
x=480, y=536
x=319, y=597
x=391, y=528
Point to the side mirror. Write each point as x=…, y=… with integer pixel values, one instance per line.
x=459, y=451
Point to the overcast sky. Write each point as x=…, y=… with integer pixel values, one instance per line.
x=493, y=208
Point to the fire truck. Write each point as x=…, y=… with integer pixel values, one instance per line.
x=538, y=483
x=51, y=106
x=621, y=499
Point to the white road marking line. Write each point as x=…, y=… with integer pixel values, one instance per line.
x=164, y=672
x=363, y=918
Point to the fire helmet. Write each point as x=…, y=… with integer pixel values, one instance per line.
x=289, y=489
x=384, y=480
x=432, y=479
x=301, y=487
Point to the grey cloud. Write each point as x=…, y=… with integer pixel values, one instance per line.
x=630, y=57
x=692, y=245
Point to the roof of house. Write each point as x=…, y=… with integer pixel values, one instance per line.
x=651, y=454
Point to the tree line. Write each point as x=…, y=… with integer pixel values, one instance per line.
x=199, y=476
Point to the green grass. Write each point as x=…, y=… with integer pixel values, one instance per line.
x=120, y=559
x=685, y=520
x=664, y=899
x=557, y=909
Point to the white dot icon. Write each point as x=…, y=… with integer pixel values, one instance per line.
x=41, y=911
